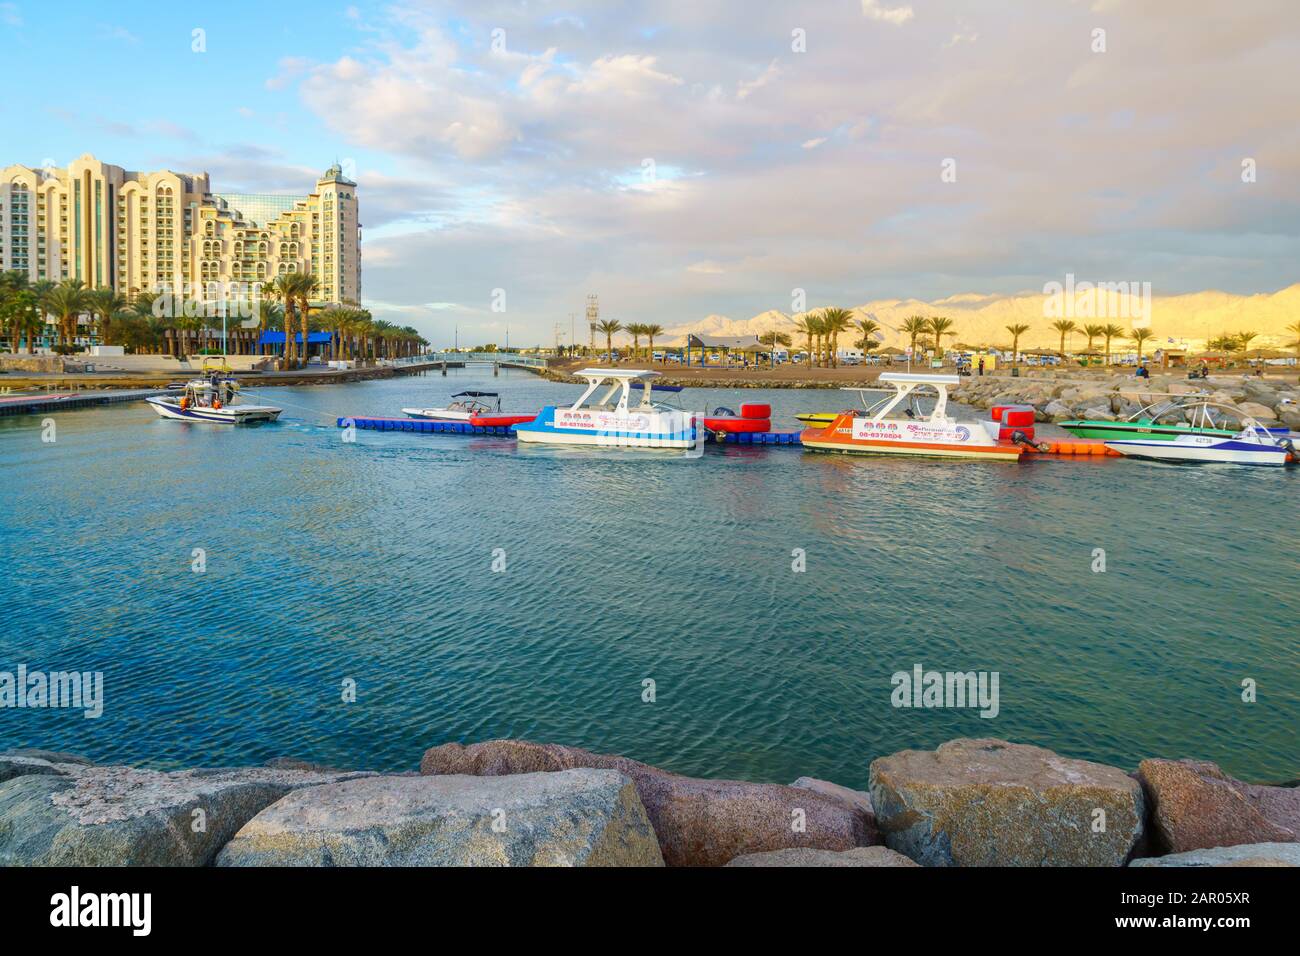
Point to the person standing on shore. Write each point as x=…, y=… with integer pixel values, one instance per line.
x=981, y=365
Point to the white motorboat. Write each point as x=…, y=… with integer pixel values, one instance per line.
x=472, y=410
x=1253, y=445
x=215, y=400
x=608, y=419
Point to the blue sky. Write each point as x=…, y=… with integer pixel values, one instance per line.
x=684, y=159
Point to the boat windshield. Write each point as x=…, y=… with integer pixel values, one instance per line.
x=915, y=405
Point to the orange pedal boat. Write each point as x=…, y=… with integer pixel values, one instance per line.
x=876, y=430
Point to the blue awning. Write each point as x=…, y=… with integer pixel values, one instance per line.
x=277, y=338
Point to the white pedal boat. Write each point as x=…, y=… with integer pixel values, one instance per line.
x=610, y=419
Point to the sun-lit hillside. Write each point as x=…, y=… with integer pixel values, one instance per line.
x=1185, y=321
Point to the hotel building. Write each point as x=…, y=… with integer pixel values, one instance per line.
x=135, y=232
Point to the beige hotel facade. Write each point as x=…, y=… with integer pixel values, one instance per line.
x=136, y=232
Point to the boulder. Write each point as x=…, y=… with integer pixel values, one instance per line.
x=1257, y=411
x=566, y=818
x=20, y=763
x=1098, y=413
x=804, y=856
x=1245, y=854
x=699, y=822
x=858, y=799
x=987, y=802
x=1058, y=412
x=1289, y=415
x=1195, y=805
x=80, y=815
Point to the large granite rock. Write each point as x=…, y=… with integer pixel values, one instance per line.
x=804, y=856
x=698, y=822
x=20, y=763
x=1195, y=805
x=1058, y=412
x=1246, y=854
x=858, y=799
x=991, y=803
x=1258, y=411
x=80, y=815
x=568, y=818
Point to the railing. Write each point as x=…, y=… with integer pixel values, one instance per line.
x=502, y=358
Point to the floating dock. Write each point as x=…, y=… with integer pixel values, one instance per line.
x=1074, y=448
x=1057, y=447
x=506, y=431
x=758, y=438
x=425, y=425
x=62, y=401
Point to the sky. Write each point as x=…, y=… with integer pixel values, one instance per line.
x=686, y=159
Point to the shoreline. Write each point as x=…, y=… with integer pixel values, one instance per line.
x=969, y=802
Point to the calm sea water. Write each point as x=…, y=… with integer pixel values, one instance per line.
x=372, y=562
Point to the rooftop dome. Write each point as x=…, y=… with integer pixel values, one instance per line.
x=335, y=175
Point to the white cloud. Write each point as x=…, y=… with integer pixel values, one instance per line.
x=522, y=169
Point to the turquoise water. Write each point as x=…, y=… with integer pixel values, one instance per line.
x=372, y=562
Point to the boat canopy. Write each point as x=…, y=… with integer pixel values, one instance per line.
x=918, y=378
x=476, y=395
x=618, y=373
x=659, y=388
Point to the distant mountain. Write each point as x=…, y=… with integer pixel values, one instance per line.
x=1188, y=320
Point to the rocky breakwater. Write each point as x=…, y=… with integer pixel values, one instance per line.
x=516, y=803
x=1069, y=395
x=698, y=822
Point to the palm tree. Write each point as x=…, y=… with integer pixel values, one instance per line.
x=302, y=286
x=1140, y=336
x=636, y=330
x=835, y=321
x=27, y=319
x=1093, y=332
x=1245, y=338
x=868, y=328
x=805, y=325
x=818, y=330
x=269, y=315
x=19, y=309
x=281, y=288
x=1109, y=332
x=650, y=332
x=939, y=327
x=772, y=340
x=1295, y=330
x=1016, y=331
x=915, y=326
x=609, y=328
x=1065, y=327
x=104, y=304
x=66, y=301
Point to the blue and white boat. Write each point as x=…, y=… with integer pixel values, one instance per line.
x=1253, y=445
x=214, y=400
x=603, y=415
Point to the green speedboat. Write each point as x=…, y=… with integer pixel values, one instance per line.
x=1145, y=424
